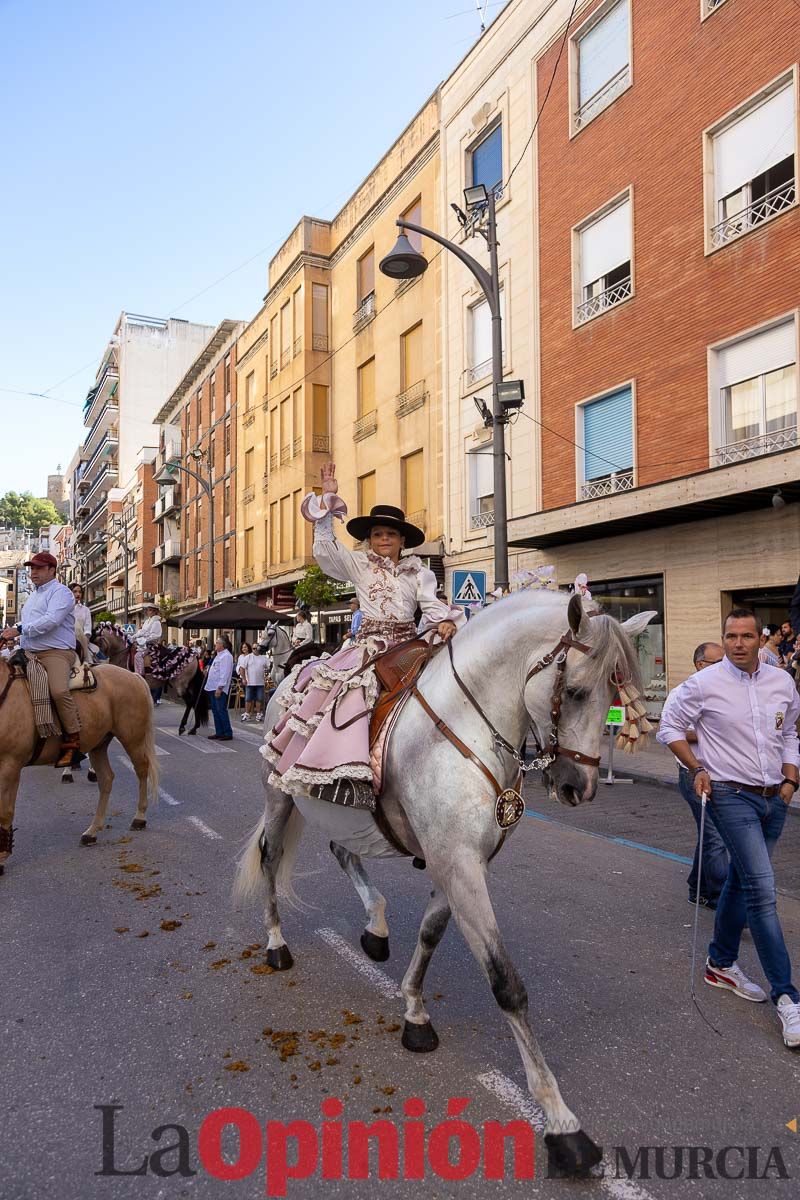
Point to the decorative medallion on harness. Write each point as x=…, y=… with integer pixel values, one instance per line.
x=508, y=808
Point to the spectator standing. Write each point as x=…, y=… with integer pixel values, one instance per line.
x=715, y=856
x=769, y=652
x=744, y=714
x=356, y=618
x=786, y=642
x=244, y=653
x=255, y=669
x=218, y=684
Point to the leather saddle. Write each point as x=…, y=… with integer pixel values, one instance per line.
x=81, y=676
x=397, y=670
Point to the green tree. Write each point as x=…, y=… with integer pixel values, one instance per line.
x=166, y=606
x=26, y=511
x=315, y=589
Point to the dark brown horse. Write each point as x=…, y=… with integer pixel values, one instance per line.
x=185, y=684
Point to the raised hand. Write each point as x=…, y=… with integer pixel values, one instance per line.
x=329, y=480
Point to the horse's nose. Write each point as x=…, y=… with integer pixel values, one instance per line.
x=590, y=786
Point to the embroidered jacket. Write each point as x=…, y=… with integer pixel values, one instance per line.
x=385, y=592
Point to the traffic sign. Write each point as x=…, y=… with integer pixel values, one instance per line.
x=469, y=587
x=616, y=715
x=130, y=628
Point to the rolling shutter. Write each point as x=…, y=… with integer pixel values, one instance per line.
x=760, y=139
x=603, y=52
x=606, y=244
x=608, y=435
x=757, y=355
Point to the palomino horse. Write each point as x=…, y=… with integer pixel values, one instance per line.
x=531, y=662
x=120, y=706
x=186, y=683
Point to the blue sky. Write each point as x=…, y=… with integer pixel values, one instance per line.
x=150, y=149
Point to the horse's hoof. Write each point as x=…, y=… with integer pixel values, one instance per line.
x=91, y=776
x=191, y=733
x=374, y=946
x=67, y=779
x=279, y=958
x=571, y=1154
x=419, y=1038
x=88, y=839
x=138, y=823
x=2, y=869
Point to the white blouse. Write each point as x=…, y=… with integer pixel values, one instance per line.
x=385, y=592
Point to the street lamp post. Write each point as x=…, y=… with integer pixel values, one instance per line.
x=404, y=262
x=167, y=475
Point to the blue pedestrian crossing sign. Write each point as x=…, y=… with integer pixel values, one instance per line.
x=130, y=628
x=469, y=587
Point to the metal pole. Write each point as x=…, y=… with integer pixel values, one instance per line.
x=210, y=494
x=498, y=426
x=125, y=569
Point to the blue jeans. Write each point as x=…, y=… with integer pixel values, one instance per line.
x=715, y=856
x=219, y=709
x=750, y=826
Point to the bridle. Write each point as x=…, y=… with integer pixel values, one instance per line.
x=545, y=754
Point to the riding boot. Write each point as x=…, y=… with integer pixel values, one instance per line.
x=69, y=744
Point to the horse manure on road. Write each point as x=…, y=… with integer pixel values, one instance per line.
x=122, y=929
x=210, y=946
x=168, y=926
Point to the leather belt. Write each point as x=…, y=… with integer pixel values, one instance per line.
x=767, y=791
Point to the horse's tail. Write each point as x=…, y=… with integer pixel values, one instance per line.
x=249, y=880
x=149, y=747
x=202, y=706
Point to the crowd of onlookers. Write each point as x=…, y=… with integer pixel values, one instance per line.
x=780, y=647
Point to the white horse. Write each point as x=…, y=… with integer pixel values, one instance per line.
x=280, y=647
x=533, y=661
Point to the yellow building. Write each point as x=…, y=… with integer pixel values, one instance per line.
x=343, y=363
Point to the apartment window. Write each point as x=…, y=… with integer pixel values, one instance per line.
x=486, y=159
x=366, y=492
x=366, y=275
x=286, y=332
x=297, y=421
x=285, y=431
x=273, y=347
x=601, y=59
x=248, y=468
x=226, y=499
x=212, y=399
x=227, y=438
x=299, y=526
x=480, y=471
x=227, y=375
x=754, y=166
x=320, y=428
x=366, y=388
x=274, y=544
x=479, y=339
x=411, y=357
x=248, y=547
x=274, y=441
x=604, y=262
x=249, y=391
x=297, y=321
x=756, y=383
x=286, y=528
x=226, y=564
x=605, y=431
x=413, y=486
x=319, y=316
x=414, y=214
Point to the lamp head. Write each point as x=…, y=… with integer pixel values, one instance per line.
x=166, y=474
x=403, y=261
x=476, y=196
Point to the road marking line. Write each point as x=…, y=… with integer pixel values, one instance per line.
x=162, y=795
x=511, y=1094
x=196, y=744
x=607, y=837
x=206, y=829
x=379, y=980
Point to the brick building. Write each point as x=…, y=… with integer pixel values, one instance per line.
x=198, y=428
x=669, y=285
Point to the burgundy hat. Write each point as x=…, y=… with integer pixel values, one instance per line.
x=42, y=559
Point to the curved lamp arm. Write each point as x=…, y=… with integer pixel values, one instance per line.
x=481, y=274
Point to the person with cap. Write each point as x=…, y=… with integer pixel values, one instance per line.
x=148, y=636
x=47, y=629
x=320, y=747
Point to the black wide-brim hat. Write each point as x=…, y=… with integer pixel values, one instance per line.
x=386, y=514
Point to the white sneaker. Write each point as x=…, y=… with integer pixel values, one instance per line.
x=733, y=979
x=259, y=718
x=789, y=1013
x=245, y=717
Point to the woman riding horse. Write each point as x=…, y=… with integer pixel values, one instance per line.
x=321, y=745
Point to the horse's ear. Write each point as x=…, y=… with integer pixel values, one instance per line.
x=638, y=622
x=576, y=614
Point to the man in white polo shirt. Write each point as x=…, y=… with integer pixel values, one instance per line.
x=744, y=714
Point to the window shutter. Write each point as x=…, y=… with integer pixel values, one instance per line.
x=608, y=434
x=757, y=355
x=481, y=342
x=320, y=410
x=366, y=493
x=482, y=475
x=606, y=244
x=414, y=482
x=603, y=52
x=366, y=388
x=412, y=356
x=319, y=310
x=757, y=141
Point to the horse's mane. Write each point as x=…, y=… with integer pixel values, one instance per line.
x=612, y=650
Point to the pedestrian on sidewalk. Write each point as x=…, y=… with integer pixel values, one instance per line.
x=218, y=684
x=715, y=856
x=744, y=714
x=255, y=669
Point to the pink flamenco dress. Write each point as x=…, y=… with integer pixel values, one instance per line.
x=320, y=746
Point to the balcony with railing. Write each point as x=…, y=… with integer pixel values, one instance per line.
x=286, y=452
x=265, y=482
x=604, y=300
x=365, y=313
x=479, y=371
x=108, y=415
x=482, y=520
x=297, y=446
x=107, y=446
x=248, y=495
x=769, y=205
x=286, y=357
x=617, y=481
x=168, y=551
x=273, y=371
x=411, y=398
x=298, y=346
x=170, y=451
x=116, y=570
x=321, y=443
x=364, y=426
x=753, y=447
x=105, y=478
x=167, y=502
x=604, y=96
x=273, y=462
x=104, y=389
x=249, y=419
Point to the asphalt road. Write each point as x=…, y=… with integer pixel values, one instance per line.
x=128, y=978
